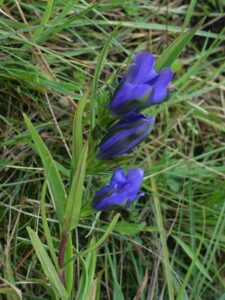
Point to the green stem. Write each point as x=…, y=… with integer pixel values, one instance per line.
x=163, y=238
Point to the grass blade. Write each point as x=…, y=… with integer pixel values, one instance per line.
x=46, y=227
x=104, y=236
x=97, y=75
x=117, y=292
x=189, y=13
x=69, y=268
x=72, y=213
x=170, y=54
x=87, y=277
x=47, y=265
x=61, y=21
x=77, y=141
x=44, y=20
x=52, y=173
x=189, y=252
x=163, y=240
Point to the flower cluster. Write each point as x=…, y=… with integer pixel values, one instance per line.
x=140, y=87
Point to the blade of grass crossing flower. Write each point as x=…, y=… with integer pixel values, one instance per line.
x=47, y=265
x=167, y=58
x=46, y=227
x=72, y=212
x=98, y=69
x=52, y=173
x=77, y=140
x=69, y=268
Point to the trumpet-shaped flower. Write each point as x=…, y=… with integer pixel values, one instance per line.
x=141, y=86
x=125, y=135
x=122, y=190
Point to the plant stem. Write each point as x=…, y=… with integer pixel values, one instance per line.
x=62, y=249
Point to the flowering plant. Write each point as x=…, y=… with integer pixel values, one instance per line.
x=143, y=84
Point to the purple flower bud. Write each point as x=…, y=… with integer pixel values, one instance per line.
x=122, y=190
x=141, y=86
x=125, y=135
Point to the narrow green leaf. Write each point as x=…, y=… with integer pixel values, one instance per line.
x=174, y=50
x=189, y=252
x=100, y=241
x=98, y=69
x=91, y=295
x=51, y=170
x=87, y=276
x=117, y=292
x=91, y=261
x=47, y=265
x=163, y=239
x=181, y=292
x=52, y=28
x=130, y=229
x=77, y=141
x=44, y=20
x=10, y=292
x=189, y=13
x=84, y=281
x=46, y=227
x=69, y=268
x=72, y=213
x=104, y=236
x=61, y=21
x=98, y=288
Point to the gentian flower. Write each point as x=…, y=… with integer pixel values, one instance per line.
x=122, y=190
x=141, y=86
x=125, y=135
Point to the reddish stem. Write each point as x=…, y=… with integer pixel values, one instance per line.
x=62, y=249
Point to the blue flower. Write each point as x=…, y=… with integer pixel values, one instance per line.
x=141, y=86
x=125, y=135
x=122, y=190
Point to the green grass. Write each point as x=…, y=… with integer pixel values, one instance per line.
x=171, y=243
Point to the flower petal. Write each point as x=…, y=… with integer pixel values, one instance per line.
x=141, y=71
x=123, y=189
x=130, y=98
x=118, y=177
x=134, y=180
x=125, y=135
x=160, y=89
x=114, y=199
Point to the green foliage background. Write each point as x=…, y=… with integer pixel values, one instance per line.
x=170, y=245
